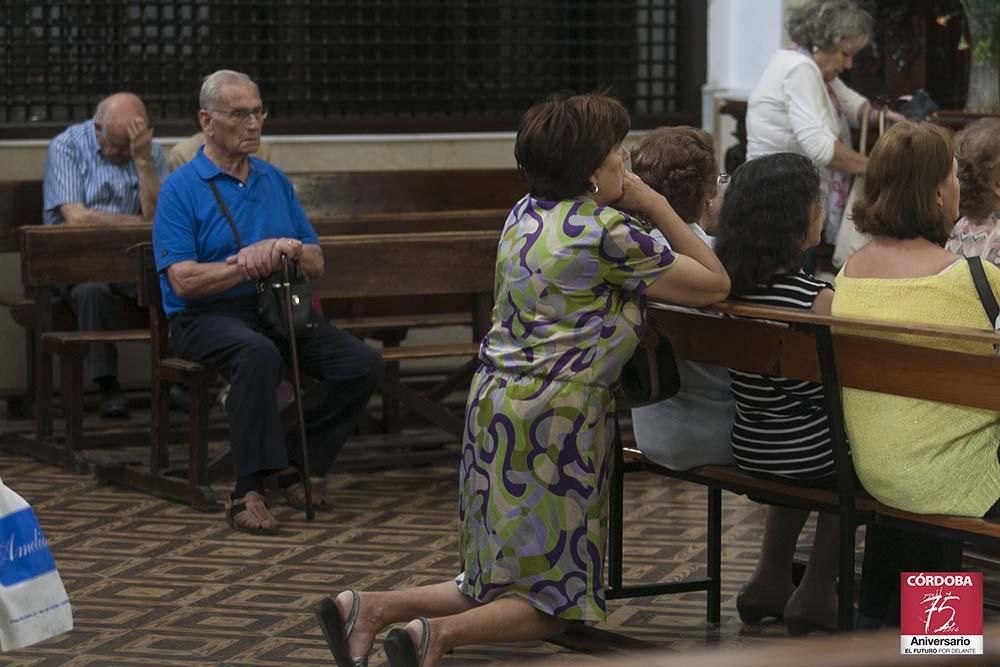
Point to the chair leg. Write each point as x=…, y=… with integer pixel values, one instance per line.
x=71, y=379
x=616, y=517
x=713, y=612
x=159, y=455
x=198, y=434
x=43, y=394
x=390, y=403
x=845, y=580
x=30, y=361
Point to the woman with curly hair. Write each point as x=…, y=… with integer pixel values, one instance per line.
x=770, y=217
x=800, y=105
x=977, y=149
x=691, y=428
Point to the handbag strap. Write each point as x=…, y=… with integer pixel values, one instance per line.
x=863, y=148
x=225, y=212
x=983, y=288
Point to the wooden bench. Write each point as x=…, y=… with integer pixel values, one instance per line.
x=337, y=203
x=412, y=265
x=55, y=256
x=350, y=198
x=800, y=345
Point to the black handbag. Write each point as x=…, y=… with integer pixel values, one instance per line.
x=271, y=303
x=651, y=374
x=271, y=309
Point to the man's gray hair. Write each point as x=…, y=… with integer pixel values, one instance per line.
x=211, y=87
x=821, y=24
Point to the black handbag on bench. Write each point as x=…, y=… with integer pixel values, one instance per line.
x=271, y=291
x=651, y=374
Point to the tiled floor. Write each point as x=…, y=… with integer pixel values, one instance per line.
x=156, y=583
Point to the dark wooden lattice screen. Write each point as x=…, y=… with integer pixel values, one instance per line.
x=349, y=65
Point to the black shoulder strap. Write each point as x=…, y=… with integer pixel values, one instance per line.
x=225, y=212
x=983, y=287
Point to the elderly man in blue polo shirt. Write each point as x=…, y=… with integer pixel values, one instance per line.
x=208, y=284
x=104, y=171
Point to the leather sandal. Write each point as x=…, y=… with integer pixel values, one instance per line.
x=291, y=486
x=337, y=630
x=250, y=515
x=400, y=650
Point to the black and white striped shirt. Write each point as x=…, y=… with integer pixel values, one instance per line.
x=781, y=427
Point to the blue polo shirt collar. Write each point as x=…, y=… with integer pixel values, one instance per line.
x=208, y=170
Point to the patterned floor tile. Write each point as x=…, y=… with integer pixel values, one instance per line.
x=156, y=583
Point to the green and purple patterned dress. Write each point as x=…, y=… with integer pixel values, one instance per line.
x=539, y=421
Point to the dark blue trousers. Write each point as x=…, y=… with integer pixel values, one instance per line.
x=229, y=338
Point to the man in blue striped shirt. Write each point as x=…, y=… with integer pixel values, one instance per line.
x=104, y=171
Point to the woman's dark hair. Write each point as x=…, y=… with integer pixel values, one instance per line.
x=562, y=140
x=765, y=218
x=904, y=170
x=977, y=149
x=679, y=163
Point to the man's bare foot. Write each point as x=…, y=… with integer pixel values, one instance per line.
x=250, y=515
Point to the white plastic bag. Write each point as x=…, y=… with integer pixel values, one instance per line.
x=849, y=239
x=33, y=601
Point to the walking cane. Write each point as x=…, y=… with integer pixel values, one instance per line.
x=297, y=385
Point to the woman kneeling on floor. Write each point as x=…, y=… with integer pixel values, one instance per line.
x=571, y=272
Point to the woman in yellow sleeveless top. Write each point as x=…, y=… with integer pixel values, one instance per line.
x=915, y=455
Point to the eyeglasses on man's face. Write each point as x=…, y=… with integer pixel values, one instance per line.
x=241, y=116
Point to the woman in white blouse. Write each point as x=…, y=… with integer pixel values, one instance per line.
x=800, y=105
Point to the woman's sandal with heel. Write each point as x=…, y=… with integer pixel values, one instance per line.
x=337, y=630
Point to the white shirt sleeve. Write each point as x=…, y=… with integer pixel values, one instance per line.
x=806, y=95
x=850, y=100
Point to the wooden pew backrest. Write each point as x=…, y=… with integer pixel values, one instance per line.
x=389, y=265
x=59, y=255
x=352, y=202
x=782, y=347
x=350, y=193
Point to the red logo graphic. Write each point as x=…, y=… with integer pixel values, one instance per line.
x=941, y=612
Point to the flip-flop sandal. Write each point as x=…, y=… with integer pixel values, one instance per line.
x=233, y=510
x=337, y=631
x=399, y=647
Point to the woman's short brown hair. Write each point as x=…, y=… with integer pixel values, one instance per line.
x=679, y=163
x=562, y=140
x=905, y=168
x=977, y=148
